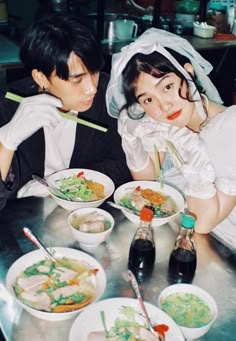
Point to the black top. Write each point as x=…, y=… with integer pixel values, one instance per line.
x=93, y=149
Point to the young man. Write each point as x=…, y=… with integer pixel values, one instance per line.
x=65, y=61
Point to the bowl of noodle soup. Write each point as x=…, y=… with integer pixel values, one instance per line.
x=84, y=188
x=166, y=202
x=56, y=292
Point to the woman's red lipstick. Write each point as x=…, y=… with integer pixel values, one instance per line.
x=174, y=115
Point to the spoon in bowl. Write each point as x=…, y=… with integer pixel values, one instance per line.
x=52, y=188
x=135, y=286
x=29, y=234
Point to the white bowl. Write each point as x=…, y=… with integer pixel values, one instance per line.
x=154, y=185
x=87, y=239
x=33, y=257
x=89, y=174
x=202, y=31
x=191, y=333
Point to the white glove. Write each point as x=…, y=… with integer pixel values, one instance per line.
x=32, y=114
x=136, y=157
x=197, y=169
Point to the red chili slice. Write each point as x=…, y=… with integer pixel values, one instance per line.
x=80, y=175
x=95, y=270
x=161, y=329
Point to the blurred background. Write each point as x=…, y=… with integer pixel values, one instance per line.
x=109, y=19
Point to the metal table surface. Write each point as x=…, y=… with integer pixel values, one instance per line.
x=216, y=267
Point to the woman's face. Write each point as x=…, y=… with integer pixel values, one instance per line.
x=160, y=99
x=77, y=93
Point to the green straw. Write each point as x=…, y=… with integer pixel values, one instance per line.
x=158, y=165
x=16, y=98
x=175, y=152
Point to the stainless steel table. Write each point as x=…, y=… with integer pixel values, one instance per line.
x=216, y=268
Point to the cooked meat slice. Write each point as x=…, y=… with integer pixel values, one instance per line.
x=94, y=216
x=40, y=301
x=43, y=268
x=92, y=226
x=28, y=283
x=168, y=206
x=65, y=291
x=137, y=200
x=87, y=286
x=64, y=274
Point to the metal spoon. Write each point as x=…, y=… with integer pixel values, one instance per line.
x=135, y=286
x=120, y=207
x=53, y=189
x=29, y=234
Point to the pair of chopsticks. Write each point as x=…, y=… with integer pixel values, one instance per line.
x=16, y=98
x=158, y=166
x=174, y=151
x=158, y=163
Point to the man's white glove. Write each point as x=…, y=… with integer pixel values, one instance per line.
x=32, y=114
x=136, y=157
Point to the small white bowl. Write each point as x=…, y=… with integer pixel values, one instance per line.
x=35, y=256
x=154, y=185
x=89, y=174
x=89, y=240
x=203, y=31
x=191, y=333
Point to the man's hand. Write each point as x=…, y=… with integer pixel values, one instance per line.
x=33, y=113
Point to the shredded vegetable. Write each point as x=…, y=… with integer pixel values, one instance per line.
x=77, y=186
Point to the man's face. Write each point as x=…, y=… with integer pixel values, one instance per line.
x=77, y=93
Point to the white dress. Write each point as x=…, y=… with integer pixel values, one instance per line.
x=210, y=160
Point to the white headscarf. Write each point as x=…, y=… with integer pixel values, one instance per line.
x=152, y=40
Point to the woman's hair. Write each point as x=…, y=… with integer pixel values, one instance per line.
x=48, y=43
x=157, y=66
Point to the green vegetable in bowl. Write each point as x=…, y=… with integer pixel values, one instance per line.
x=187, y=310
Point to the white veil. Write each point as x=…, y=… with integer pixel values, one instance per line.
x=156, y=40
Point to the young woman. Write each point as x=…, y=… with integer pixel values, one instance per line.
x=64, y=59
x=163, y=97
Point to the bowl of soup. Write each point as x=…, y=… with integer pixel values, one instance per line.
x=166, y=202
x=83, y=187
x=56, y=291
x=90, y=226
x=193, y=309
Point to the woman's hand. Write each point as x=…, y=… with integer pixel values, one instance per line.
x=33, y=113
x=137, y=158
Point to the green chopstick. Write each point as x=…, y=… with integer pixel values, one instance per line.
x=175, y=152
x=16, y=98
x=158, y=166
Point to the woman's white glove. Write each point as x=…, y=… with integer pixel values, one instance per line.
x=136, y=157
x=32, y=114
x=197, y=169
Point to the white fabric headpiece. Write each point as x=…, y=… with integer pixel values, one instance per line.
x=152, y=40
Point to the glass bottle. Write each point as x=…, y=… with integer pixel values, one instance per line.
x=142, y=251
x=183, y=258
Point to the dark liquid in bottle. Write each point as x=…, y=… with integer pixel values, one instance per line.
x=182, y=266
x=142, y=255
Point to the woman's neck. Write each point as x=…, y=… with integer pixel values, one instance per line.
x=212, y=109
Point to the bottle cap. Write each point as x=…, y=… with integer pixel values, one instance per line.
x=146, y=214
x=187, y=221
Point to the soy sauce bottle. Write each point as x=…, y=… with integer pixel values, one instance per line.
x=183, y=259
x=142, y=251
